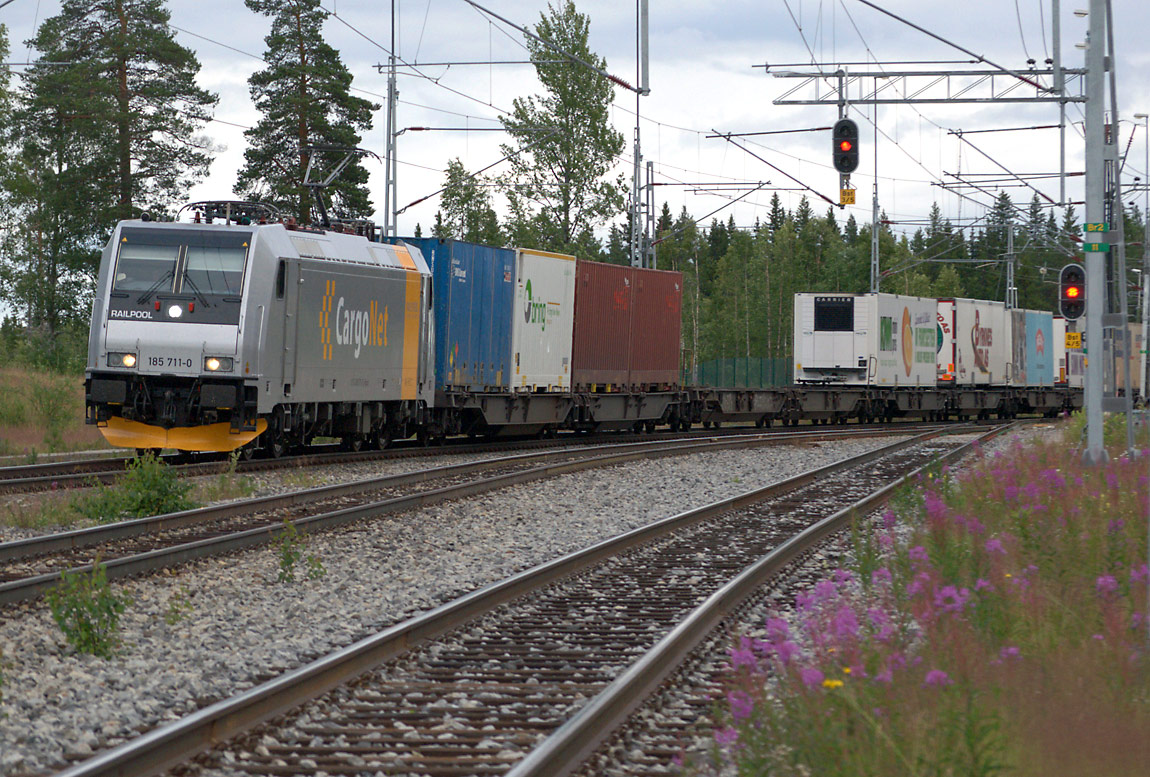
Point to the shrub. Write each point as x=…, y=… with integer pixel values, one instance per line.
x=87, y=611
x=992, y=622
x=291, y=550
x=227, y=485
x=149, y=487
x=179, y=607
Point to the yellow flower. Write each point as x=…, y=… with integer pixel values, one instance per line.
x=1008, y=575
x=846, y=670
x=832, y=683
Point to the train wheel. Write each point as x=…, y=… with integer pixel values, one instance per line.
x=650, y=427
x=352, y=443
x=142, y=452
x=277, y=447
x=246, y=452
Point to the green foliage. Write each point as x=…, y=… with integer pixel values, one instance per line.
x=465, y=209
x=292, y=543
x=557, y=188
x=305, y=100
x=54, y=408
x=179, y=607
x=87, y=611
x=149, y=487
x=113, y=130
x=226, y=485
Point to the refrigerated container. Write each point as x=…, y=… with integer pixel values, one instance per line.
x=627, y=327
x=542, y=327
x=1032, y=348
x=1114, y=372
x=866, y=339
x=974, y=339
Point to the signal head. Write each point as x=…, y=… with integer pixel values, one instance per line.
x=846, y=152
x=1072, y=292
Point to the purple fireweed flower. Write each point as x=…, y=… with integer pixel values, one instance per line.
x=1112, y=481
x=994, y=545
x=983, y=585
x=937, y=678
x=889, y=519
x=881, y=576
x=1106, y=585
x=811, y=677
x=1009, y=652
x=1115, y=526
x=786, y=651
x=974, y=526
x=742, y=705
x=918, y=554
x=1032, y=492
x=846, y=624
x=725, y=737
x=843, y=576
x=742, y=656
x=1052, y=478
x=918, y=585
x=804, y=602
x=951, y=598
x=777, y=629
x=824, y=591
x=1078, y=481
x=1139, y=573
x=1099, y=637
x=885, y=541
x=885, y=676
x=935, y=507
x=1010, y=494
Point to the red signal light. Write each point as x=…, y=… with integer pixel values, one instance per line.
x=1072, y=292
x=846, y=145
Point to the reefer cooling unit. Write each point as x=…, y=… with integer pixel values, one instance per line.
x=865, y=339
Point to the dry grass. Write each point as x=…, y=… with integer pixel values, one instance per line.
x=40, y=411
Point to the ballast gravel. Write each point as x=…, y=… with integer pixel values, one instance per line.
x=213, y=628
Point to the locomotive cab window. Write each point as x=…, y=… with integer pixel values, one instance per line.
x=215, y=269
x=834, y=314
x=143, y=267
x=281, y=279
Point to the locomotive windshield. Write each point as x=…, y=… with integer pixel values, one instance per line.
x=164, y=261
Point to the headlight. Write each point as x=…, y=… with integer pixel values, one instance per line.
x=175, y=311
x=218, y=363
x=121, y=360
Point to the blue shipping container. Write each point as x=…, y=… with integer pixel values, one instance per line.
x=474, y=299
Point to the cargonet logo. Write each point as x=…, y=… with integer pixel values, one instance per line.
x=325, y=319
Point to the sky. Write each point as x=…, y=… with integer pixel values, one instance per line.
x=703, y=79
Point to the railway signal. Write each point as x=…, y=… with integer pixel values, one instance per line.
x=846, y=145
x=1072, y=292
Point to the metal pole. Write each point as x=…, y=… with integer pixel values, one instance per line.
x=1011, y=289
x=390, y=195
x=874, y=268
x=1060, y=87
x=1145, y=296
x=1095, y=453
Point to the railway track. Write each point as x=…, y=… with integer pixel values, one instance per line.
x=81, y=473
x=527, y=676
x=31, y=566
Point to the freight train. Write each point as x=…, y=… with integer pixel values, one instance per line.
x=238, y=331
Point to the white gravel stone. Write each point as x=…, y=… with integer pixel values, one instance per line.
x=244, y=625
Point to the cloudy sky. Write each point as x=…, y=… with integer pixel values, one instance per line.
x=703, y=78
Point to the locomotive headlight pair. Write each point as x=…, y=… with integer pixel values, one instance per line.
x=122, y=360
x=218, y=363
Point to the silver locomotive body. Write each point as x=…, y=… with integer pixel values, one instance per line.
x=205, y=337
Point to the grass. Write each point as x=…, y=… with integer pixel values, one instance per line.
x=43, y=411
x=991, y=623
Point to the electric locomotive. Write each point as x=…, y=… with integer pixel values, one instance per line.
x=214, y=336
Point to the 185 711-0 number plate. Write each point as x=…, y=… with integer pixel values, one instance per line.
x=169, y=361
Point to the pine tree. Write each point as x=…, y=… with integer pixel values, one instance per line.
x=110, y=133
x=305, y=97
x=560, y=183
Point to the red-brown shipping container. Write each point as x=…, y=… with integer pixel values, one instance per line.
x=627, y=324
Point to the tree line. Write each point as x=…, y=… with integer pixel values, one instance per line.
x=110, y=123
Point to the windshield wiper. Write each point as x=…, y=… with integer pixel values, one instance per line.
x=147, y=294
x=203, y=300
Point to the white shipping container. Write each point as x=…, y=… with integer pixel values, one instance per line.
x=541, y=334
x=1069, y=363
x=865, y=339
x=979, y=342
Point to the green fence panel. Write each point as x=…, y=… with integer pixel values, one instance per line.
x=741, y=372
